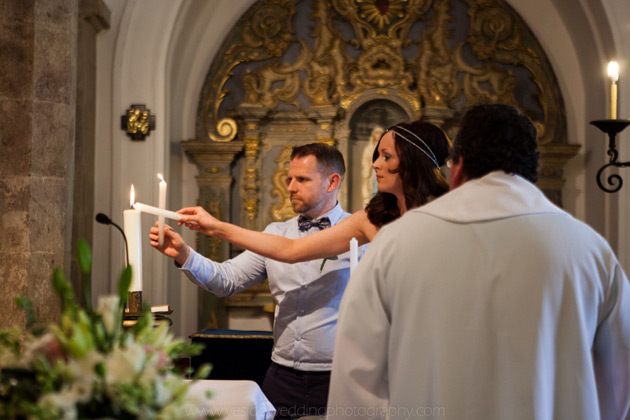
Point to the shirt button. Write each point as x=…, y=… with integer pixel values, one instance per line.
x=297, y=364
x=305, y=286
x=299, y=338
x=302, y=311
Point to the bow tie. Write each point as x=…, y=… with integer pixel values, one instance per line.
x=304, y=223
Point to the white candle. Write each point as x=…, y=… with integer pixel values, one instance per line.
x=354, y=254
x=133, y=232
x=144, y=208
x=161, y=205
x=613, y=73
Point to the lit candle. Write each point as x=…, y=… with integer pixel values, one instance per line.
x=613, y=73
x=161, y=205
x=144, y=208
x=133, y=233
x=354, y=254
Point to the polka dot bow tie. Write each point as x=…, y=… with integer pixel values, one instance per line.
x=304, y=223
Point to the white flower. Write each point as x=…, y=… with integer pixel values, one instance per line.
x=108, y=309
x=123, y=364
x=164, y=388
x=150, y=371
x=84, y=367
x=82, y=373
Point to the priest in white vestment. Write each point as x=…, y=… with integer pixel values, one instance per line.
x=487, y=303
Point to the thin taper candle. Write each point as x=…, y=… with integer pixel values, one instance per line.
x=144, y=208
x=162, y=206
x=613, y=101
x=354, y=254
x=613, y=74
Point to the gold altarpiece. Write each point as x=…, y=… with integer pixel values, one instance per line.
x=292, y=72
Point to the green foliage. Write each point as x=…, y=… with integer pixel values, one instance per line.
x=124, y=283
x=88, y=366
x=84, y=256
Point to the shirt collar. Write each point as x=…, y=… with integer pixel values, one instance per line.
x=496, y=195
x=334, y=214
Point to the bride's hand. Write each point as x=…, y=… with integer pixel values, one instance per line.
x=197, y=219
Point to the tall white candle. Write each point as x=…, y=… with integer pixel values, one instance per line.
x=161, y=205
x=145, y=208
x=613, y=73
x=133, y=232
x=354, y=254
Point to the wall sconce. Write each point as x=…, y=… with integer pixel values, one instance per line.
x=612, y=128
x=137, y=122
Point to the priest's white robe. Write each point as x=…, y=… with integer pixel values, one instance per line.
x=487, y=303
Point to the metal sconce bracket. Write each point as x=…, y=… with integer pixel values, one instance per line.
x=137, y=122
x=612, y=128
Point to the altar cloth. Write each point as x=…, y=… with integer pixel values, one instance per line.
x=233, y=400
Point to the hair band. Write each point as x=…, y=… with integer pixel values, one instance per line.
x=429, y=154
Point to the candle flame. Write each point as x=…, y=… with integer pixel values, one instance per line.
x=613, y=71
x=132, y=197
x=161, y=177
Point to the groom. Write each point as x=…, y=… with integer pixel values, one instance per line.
x=307, y=295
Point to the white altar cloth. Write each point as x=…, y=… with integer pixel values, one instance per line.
x=234, y=400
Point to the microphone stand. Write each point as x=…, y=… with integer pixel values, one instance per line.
x=105, y=220
x=134, y=304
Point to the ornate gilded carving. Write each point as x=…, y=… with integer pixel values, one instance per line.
x=330, y=142
x=281, y=210
x=325, y=68
x=382, y=14
x=265, y=34
x=435, y=71
x=369, y=19
x=137, y=122
x=448, y=64
x=496, y=35
x=249, y=181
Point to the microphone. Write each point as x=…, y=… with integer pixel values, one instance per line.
x=105, y=220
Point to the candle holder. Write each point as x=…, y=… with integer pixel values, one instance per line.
x=612, y=128
x=135, y=303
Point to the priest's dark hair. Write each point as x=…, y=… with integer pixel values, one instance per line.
x=328, y=157
x=496, y=137
x=420, y=175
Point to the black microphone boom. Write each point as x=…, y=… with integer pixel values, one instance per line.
x=105, y=220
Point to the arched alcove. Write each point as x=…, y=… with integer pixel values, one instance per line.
x=373, y=114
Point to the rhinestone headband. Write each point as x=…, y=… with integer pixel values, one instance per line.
x=429, y=153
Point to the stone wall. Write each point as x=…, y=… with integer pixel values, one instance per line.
x=38, y=105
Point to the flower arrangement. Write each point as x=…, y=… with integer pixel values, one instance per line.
x=88, y=366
